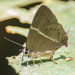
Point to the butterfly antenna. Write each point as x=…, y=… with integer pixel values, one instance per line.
x=14, y=42
x=68, y=32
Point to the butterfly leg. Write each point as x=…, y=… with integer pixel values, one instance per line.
x=54, y=61
x=23, y=55
x=33, y=60
x=51, y=58
x=40, y=59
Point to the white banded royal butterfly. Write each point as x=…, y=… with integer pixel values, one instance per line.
x=46, y=35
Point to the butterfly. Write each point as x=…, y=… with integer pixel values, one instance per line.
x=46, y=35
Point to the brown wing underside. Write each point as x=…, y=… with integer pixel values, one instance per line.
x=45, y=27
x=43, y=13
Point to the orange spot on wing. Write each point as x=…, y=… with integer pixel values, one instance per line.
x=64, y=35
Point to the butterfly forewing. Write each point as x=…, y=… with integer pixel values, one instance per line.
x=43, y=14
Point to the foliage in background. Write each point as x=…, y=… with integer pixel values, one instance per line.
x=65, y=13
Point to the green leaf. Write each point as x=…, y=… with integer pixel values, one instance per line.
x=11, y=8
x=17, y=30
x=65, y=13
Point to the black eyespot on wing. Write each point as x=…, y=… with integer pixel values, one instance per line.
x=46, y=28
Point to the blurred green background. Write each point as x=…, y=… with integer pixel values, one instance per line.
x=15, y=19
